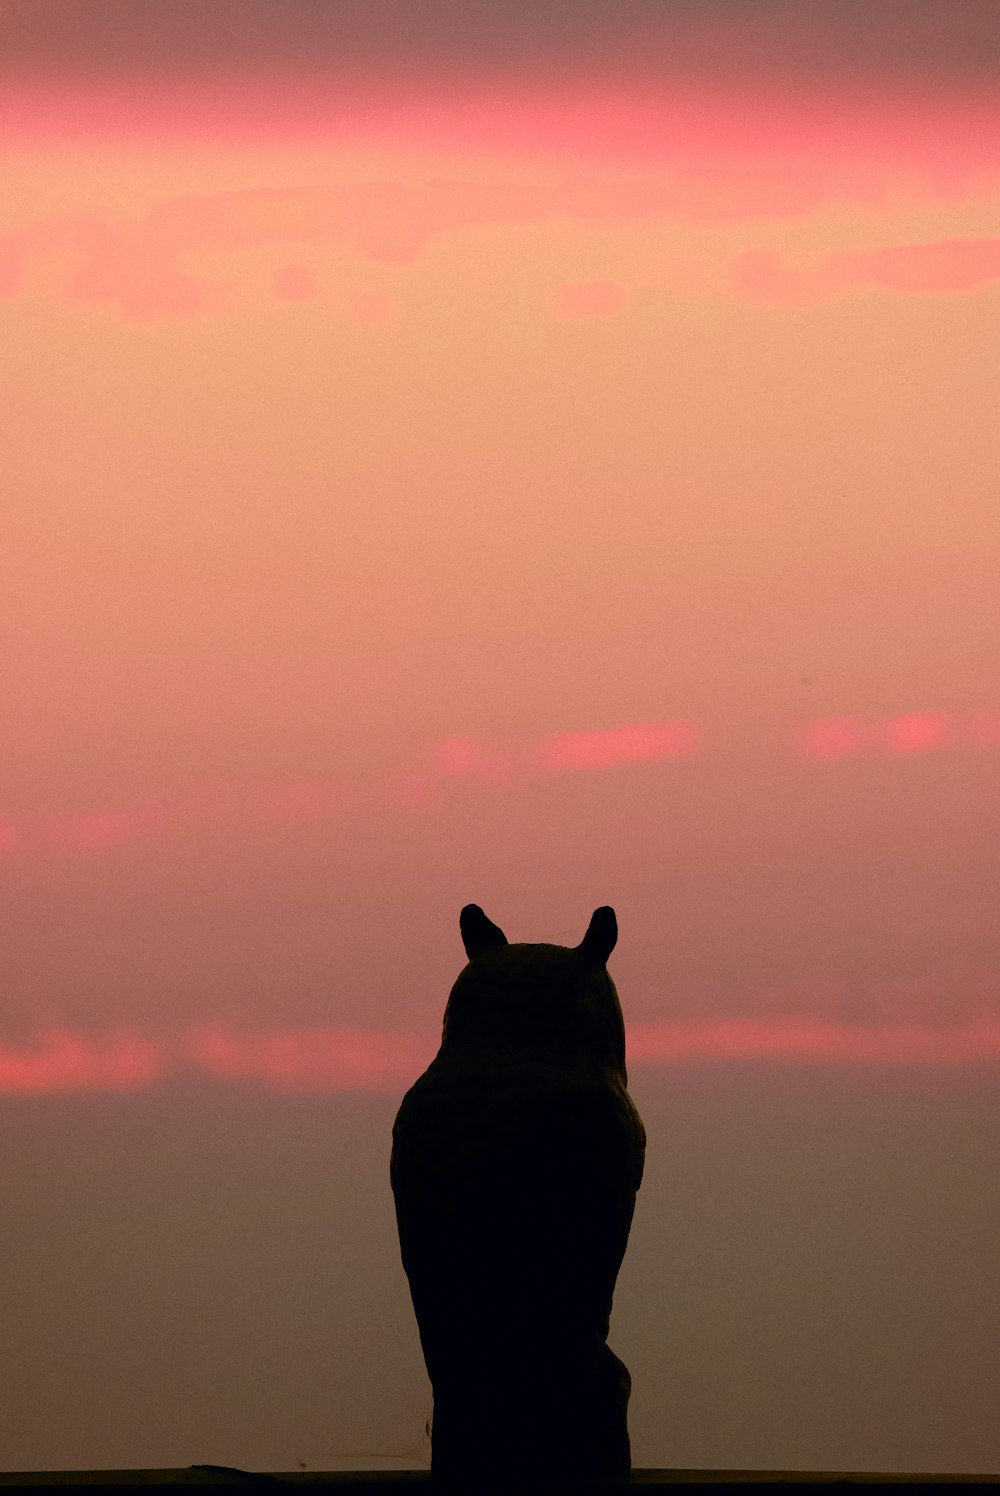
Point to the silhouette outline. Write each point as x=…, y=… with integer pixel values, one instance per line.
x=516, y=1158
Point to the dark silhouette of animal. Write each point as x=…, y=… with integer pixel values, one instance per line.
x=515, y=1163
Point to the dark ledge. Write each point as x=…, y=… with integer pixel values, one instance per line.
x=396, y=1482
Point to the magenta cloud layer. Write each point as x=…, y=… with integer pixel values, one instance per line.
x=144, y=267
x=420, y=787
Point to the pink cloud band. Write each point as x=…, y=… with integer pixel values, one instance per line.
x=813, y=1039
x=352, y=1060
x=906, y=733
x=634, y=743
x=142, y=265
x=65, y=1059
x=109, y=828
x=954, y=265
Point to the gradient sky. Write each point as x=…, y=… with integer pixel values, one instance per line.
x=538, y=455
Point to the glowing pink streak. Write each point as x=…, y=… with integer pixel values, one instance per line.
x=139, y=264
x=71, y=1060
x=954, y=265
x=906, y=733
x=310, y=1059
x=917, y=732
x=812, y=1039
x=351, y=1060
x=108, y=829
x=567, y=752
x=720, y=120
x=634, y=743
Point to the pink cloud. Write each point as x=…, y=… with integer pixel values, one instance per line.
x=946, y=266
x=727, y=193
x=72, y=1060
x=137, y=264
x=141, y=265
x=213, y=802
x=469, y=757
x=759, y=273
x=604, y=748
x=917, y=732
x=145, y=291
x=811, y=1039
x=724, y=82
x=330, y=1059
x=951, y=265
x=417, y=788
x=904, y=733
x=311, y=1059
x=344, y=1059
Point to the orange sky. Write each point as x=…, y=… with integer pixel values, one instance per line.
x=435, y=425
x=533, y=460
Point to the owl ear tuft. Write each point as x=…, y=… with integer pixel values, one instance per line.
x=601, y=937
x=479, y=934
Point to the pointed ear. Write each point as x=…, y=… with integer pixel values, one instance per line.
x=601, y=937
x=479, y=934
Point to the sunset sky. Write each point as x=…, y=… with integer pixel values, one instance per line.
x=542, y=455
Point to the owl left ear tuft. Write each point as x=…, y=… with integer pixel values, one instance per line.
x=479, y=933
x=601, y=937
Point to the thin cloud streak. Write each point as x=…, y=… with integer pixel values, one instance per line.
x=567, y=752
x=66, y=1059
x=345, y=1060
x=106, y=829
x=638, y=742
x=951, y=266
x=904, y=734
x=308, y=1059
x=813, y=1039
x=138, y=265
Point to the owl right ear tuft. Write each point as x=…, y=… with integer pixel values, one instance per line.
x=601, y=937
x=479, y=934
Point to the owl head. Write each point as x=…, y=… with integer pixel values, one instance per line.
x=528, y=1005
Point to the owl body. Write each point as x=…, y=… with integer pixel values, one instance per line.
x=516, y=1160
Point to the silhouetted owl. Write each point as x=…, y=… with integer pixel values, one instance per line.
x=515, y=1163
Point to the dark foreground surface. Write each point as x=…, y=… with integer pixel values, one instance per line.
x=396, y=1482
